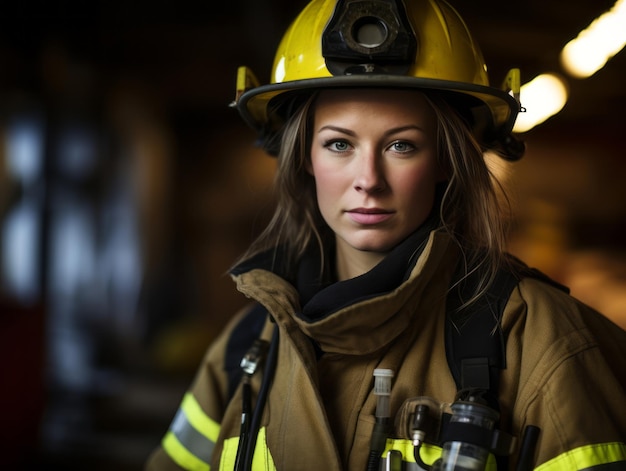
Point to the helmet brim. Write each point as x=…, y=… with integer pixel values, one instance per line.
x=255, y=105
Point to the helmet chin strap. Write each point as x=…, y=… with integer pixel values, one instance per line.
x=510, y=148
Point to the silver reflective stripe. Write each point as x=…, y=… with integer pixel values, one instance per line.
x=196, y=443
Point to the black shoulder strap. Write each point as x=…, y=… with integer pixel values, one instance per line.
x=475, y=343
x=241, y=338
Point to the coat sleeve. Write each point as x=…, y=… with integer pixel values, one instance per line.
x=572, y=382
x=192, y=435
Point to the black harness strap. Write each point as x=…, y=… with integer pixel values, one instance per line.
x=241, y=339
x=475, y=344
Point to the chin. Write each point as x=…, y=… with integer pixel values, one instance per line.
x=375, y=244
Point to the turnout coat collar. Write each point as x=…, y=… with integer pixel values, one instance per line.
x=363, y=315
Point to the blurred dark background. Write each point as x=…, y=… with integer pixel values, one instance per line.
x=128, y=187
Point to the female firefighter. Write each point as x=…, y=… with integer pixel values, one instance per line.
x=390, y=330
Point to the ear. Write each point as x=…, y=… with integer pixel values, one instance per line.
x=309, y=167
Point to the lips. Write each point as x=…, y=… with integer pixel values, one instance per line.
x=369, y=216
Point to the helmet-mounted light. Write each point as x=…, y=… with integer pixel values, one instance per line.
x=369, y=36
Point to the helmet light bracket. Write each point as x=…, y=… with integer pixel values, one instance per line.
x=246, y=80
x=369, y=36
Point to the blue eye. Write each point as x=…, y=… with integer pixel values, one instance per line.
x=338, y=146
x=402, y=147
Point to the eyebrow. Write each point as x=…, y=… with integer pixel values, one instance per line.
x=389, y=132
x=330, y=127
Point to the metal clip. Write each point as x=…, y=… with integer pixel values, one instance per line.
x=393, y=461
x=254, y=357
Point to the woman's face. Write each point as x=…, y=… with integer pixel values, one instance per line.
x=374, y=161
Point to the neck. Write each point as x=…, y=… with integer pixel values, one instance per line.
x=351, y=262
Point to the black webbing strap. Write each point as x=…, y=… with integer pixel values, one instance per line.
x=241, y=339
x=475, y=344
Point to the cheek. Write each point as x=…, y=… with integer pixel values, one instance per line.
x=328, y=179
x=325, y=188
x=418, y=185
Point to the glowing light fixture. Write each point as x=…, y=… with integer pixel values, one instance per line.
x=594, y=46
x=583, y=56
x=542, y=97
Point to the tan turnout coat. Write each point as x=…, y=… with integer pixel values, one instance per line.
x=566, y=372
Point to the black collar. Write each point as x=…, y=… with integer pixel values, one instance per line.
x=321, y=296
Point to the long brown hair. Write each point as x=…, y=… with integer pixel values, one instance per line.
x=474, y=209
x=471, y=210
x=296, y=221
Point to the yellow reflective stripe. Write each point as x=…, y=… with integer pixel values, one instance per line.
x=586, y=457
x=180, y=455
x=200, y=421
x=428, y=453
x=262, y=460
x=192, y=435
x=229, y=454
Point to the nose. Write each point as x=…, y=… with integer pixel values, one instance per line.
x=369, y=174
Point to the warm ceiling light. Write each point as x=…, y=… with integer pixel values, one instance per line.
x=542, y=97
x=594, y=46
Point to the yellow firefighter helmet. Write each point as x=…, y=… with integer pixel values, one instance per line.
x=421, y=44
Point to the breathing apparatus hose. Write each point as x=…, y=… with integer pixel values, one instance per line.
x=420, y=419
x=379, y=437
x=382, y=392
x=527, y=449
x=244, y=433
x=255, y=423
